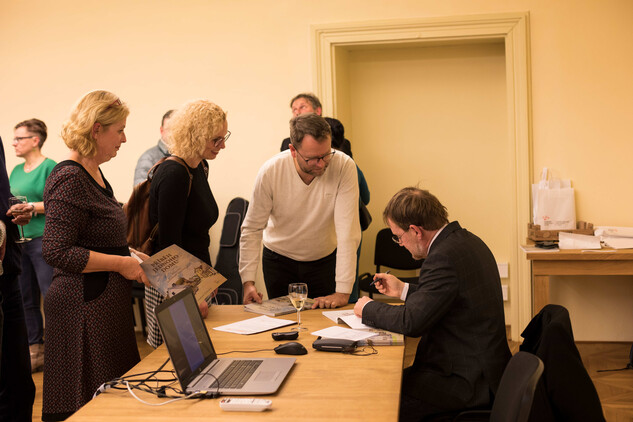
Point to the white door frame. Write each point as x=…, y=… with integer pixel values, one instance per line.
x=512, y=29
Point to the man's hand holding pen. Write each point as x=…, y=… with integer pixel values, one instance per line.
x=386, y=284
x=377, y=279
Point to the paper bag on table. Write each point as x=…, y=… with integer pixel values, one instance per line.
x=553, y=202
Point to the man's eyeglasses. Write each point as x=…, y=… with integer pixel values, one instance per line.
x=217, y=141
x=19, y=138
x=314, y=161
x=398, y=239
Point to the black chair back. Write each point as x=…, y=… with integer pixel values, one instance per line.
x=516, y=388
x=227, y=261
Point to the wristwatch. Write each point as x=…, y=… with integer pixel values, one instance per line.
x=34, y=212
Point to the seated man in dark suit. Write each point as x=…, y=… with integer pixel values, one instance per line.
x=456, y=308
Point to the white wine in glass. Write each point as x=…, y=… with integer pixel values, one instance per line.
x=14, y=200
x=298, y=293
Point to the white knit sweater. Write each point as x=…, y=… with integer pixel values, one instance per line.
x=303, y=222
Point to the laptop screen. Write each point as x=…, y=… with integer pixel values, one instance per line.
x=185, y=335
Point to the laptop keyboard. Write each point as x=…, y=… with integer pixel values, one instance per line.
x=237, y=373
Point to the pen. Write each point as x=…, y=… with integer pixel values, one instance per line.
x=374, y=282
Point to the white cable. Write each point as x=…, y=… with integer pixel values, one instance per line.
x=127, y=384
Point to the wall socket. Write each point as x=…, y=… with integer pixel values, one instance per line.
x=504, y=290
x=503, y=269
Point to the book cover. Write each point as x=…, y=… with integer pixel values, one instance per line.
x=174, y=269
x=277, y=306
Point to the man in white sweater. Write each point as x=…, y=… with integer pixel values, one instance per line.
x=305, y=210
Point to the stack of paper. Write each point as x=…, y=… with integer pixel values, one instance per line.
x=578, y=241
x=616, y=237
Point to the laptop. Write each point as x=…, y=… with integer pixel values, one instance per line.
x=197, y=367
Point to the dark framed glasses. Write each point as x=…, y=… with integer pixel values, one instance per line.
x=315, y=160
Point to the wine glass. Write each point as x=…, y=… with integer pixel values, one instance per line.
x=14, y=200
x=298, y=293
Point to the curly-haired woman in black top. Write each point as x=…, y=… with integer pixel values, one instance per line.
x=199, y=130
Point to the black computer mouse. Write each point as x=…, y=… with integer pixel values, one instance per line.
x=292, y=348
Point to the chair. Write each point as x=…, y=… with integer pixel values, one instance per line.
x=565, y=392
x=391, y=255
x=515, y=394
x=516, y=391
x=227, y=261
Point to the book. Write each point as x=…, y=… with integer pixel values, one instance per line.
x=174, y=269
x=380, y=338
x=277, y=306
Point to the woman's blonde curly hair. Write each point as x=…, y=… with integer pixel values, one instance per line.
x=95, y=107
x=192, y=126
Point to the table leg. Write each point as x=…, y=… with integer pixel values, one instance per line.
x=541, y=293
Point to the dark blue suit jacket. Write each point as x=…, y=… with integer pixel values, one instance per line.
x=457, y=310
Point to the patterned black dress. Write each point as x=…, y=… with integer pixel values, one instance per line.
x=89, y=322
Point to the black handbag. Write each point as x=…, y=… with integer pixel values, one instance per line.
x=364, y=216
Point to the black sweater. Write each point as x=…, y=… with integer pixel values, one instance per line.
x=184, y=221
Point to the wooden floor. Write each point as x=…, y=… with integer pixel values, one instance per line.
x=614, y=388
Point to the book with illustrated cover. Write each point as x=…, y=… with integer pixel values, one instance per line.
x=174, y=269
x=277, y=306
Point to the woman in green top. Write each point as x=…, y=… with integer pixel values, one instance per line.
x=28, y=179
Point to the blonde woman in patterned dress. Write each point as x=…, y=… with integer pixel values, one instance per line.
x=89, y=324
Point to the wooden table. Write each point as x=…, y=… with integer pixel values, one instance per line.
x=321, y=386
x=574, y=262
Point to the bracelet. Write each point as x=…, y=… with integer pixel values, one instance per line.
x=34, y=212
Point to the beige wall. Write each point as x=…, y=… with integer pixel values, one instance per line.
x=252, y=56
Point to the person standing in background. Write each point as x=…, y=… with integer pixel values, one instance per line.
x=28, y=179
x=306, y=102
x=17, y=390
x=155, y=153
x=340, y=143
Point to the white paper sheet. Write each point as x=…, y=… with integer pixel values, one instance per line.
x=618, y=242
x=534, y=249
x=335, y=315
x=578, y=241
x=347, y=317
x=343, y=333
x=254, y=325
x=614, y=231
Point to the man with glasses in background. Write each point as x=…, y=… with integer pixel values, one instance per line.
x=307, y=102
x=304, y=209
x=456, y=309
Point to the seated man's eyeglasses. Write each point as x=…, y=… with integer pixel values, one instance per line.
x=398, y=238
x=217, y=141
x=315, y=160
